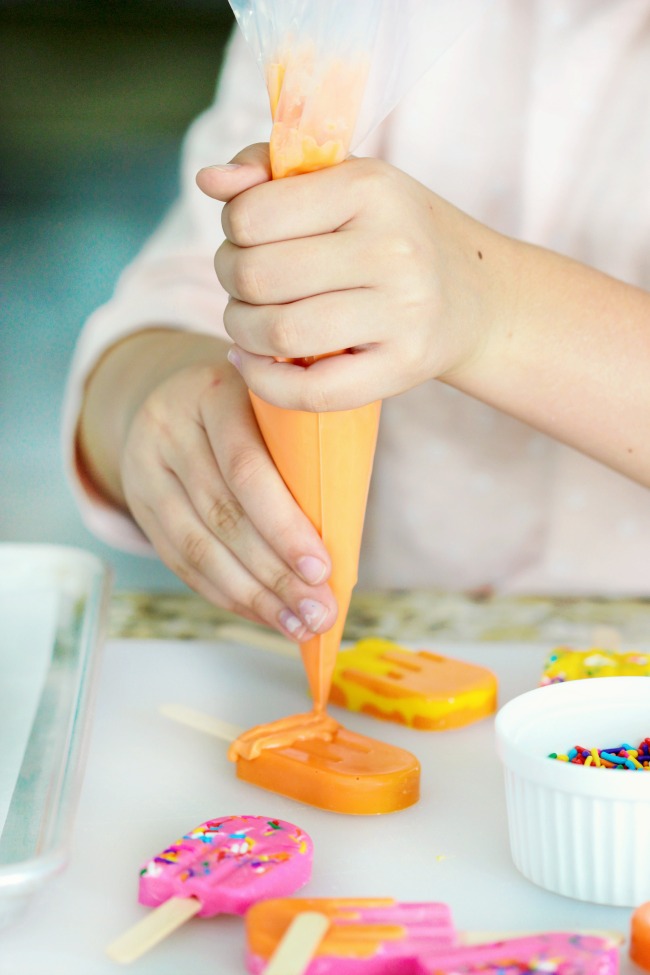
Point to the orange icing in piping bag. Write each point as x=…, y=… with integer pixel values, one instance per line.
x=325, y=459
x=314, y=108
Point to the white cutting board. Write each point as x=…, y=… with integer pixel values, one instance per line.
x=149, y=780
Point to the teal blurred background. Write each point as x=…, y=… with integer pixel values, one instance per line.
x=96, y=97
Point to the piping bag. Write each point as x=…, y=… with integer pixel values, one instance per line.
x=334, y=69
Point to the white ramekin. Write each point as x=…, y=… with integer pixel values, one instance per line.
x=581, y=832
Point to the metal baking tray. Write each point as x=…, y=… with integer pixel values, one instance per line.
x=53, y=613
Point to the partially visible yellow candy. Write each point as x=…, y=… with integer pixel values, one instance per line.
x=567, y=664
x=421, y=689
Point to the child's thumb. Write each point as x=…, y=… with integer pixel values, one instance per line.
x=248, y=168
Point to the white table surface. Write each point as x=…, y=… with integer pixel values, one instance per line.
x=149, y=780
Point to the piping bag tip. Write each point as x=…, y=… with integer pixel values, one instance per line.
x=319, y=658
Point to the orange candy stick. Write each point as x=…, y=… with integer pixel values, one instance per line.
x=421, y=689
x=318, y=763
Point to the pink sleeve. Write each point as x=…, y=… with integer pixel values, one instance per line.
x=172, y=281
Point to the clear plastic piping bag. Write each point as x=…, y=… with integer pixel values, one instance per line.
x=334, y=69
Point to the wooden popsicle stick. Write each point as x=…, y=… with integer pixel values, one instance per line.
x=157, y=925
x=299, y=944
x=258, y=639
x=201, y=722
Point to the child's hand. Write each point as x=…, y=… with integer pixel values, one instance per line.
x=358, y=257
x=198, y=479
x=167, y=430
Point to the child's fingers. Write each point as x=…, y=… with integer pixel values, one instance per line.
x=341, y=382
x=212, y=569
x=289, y=270
x=199, y=480
x=224, y=582
x=248, y=168
x=296, y=207
x=320, y=325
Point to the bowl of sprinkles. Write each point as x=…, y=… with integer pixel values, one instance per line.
x=576, y=759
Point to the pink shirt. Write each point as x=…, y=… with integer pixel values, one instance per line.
x=536, y=122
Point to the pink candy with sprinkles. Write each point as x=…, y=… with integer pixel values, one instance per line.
x=228, y=864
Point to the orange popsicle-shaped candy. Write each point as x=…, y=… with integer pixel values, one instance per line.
x=312, y=758
x=327, y=766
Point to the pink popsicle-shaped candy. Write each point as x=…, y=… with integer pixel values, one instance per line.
x=230, y=863
x=550, y=953
x=222, y=867
x=366, y=936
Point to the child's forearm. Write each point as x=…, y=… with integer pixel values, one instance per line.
x=570, y=355
x=118, y=386
x=360, y=256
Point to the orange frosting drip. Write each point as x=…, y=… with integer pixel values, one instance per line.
x=283, y=733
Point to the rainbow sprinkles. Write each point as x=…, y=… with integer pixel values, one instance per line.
x=624, y=757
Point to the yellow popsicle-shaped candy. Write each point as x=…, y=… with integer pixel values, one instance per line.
x=421, y=689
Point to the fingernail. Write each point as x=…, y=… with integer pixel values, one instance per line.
x=234, y=358
x=226, y=167
x=314, y=614
x=291, y=623
x=311, y=569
